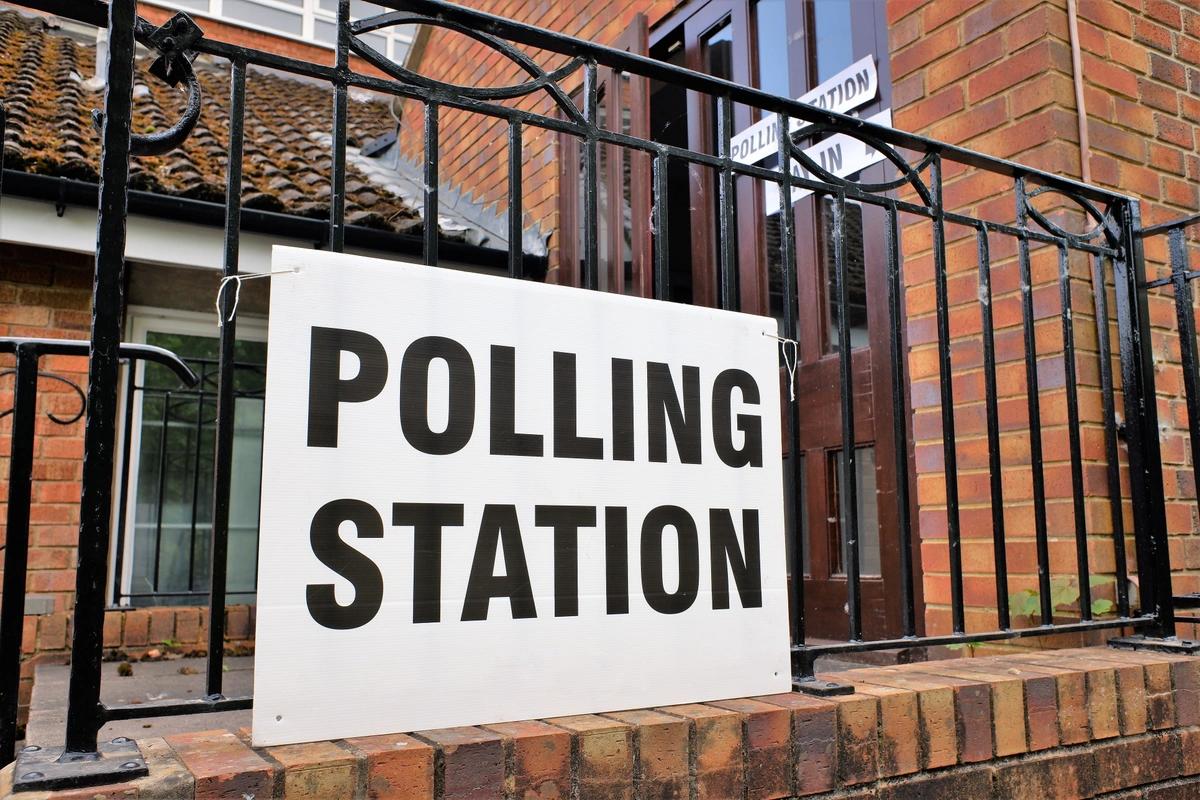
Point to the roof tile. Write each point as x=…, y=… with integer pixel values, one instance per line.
x=286, y=167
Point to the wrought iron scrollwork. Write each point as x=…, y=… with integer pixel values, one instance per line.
x=173, y=41
x=54, y=417
x=908, y=173
x=1106, y=223
x=540, y=79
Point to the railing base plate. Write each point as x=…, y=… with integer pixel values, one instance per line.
x=1171, y=645
x=43, y=768
x=820, y=688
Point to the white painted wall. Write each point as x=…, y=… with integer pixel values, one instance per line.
x=150, y=240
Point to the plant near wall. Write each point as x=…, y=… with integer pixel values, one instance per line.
x=1064, y=595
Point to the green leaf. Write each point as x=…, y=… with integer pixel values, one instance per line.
x=1064, y=593
x=1101, y=606
x=1024, y=603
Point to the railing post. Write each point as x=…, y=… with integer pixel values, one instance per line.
x=81, y=762
x=99, y=433
x=1145, y=460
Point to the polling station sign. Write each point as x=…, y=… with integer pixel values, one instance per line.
x=486, y=499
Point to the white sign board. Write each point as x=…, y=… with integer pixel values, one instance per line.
x=486, y=499
x=854, y=86
x=840, y=155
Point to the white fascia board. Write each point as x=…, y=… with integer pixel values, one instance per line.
x=150, y=240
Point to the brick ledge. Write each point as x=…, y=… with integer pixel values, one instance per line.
x=1070, y=723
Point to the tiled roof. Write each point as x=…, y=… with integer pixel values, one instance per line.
x=287, y=125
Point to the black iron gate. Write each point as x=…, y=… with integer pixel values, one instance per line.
x=1109, y=241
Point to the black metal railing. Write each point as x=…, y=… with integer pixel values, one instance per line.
x=26, y=373
x=1179, y=279
x=1108, y=240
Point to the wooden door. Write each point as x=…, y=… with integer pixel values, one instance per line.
x=786, y=46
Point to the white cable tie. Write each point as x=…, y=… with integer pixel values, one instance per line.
x=791, y=360
x=237, y=291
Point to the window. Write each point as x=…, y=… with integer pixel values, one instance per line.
x=865, y=505
x=165, y=538
x=311, y=20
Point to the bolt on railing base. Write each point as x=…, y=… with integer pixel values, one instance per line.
x=46, y=768
x=1172, y=644
x=820, y=688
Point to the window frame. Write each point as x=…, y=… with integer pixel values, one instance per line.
x=140, y=321
x=309, y=12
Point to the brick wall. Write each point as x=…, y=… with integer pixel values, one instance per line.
x=473, y=148
x=997, y=77
x=1142, y=79
x=47, y=293
x=1078, y=724
x=994, y=77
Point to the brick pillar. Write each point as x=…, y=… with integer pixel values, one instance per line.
x=1142, y=80
x=997, y=77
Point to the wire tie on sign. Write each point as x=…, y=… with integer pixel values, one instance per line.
x=791, y=359
x=237, y=291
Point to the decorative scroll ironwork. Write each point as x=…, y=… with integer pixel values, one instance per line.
x=53, y=417
x=174, y=41
x=908, y=173
x=540, y=78
x=1106, y=222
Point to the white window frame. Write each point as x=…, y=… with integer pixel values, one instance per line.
x=140, y=321
x=309, y=13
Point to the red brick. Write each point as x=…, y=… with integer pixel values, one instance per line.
x=1174, y=131
x=924, y=50
x=858, y=741
x=768, y=731
x=1151, y=33
x=237, y=622
x=1028, y=63
x=398, y=767
x=1063, y=776
x=137, y=628
x=814, y=729
x=992, y=16
x=112, y=628
x=1159, y=689
x=316, y=771
x=662, y=748
x=605, y=748
x=716, y=750
x=972, y=701
x=1123, y=763
x=540, y=755
x=223, y=766
x=472, y=762
x=1008, y=703
x=187, y=625
x=1071, y=698
x=162, y=625
x=52, y=632
x=947, y=785
x=899, y=729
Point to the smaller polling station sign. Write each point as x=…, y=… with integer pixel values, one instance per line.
x=486, y=500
